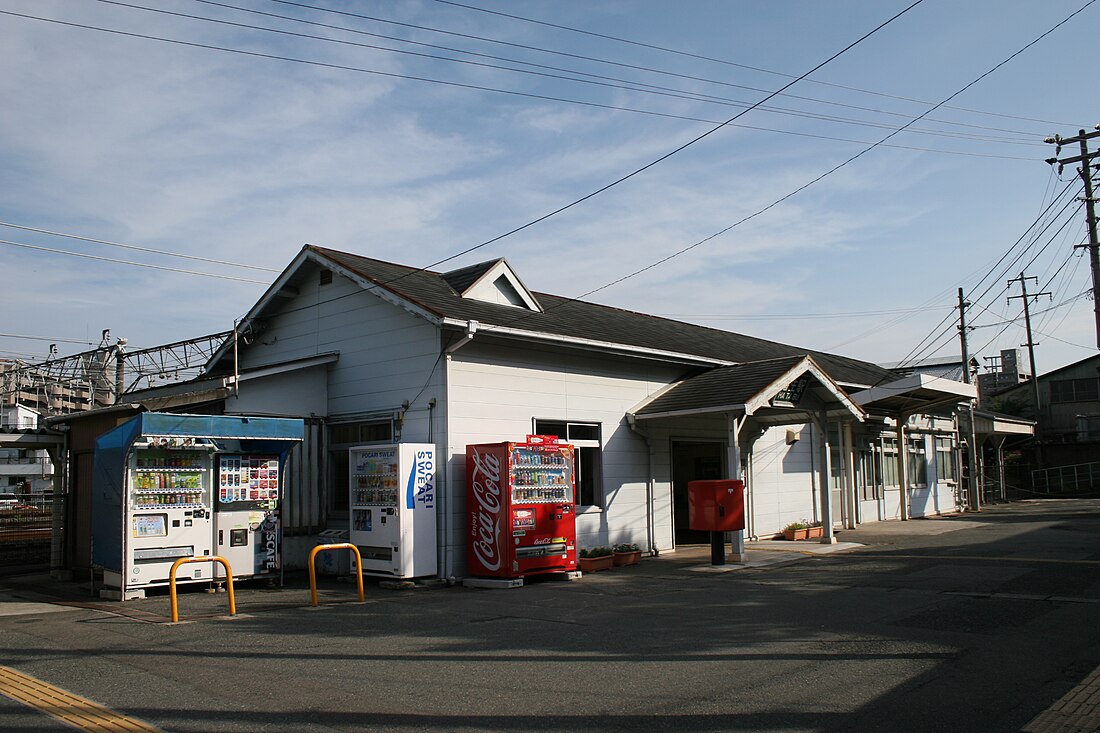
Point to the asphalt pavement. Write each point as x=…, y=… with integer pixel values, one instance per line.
x=977, y=622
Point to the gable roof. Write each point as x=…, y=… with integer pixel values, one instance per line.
x=438, y=296
x=756, y=389
x=433, y=292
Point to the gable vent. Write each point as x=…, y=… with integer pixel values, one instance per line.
x=325, y=277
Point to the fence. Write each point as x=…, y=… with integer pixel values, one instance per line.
x=1082, y=478
x=25, y=536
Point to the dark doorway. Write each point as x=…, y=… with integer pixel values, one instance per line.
x=691, y=462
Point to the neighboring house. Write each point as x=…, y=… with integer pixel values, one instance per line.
x=26, y=472
x=1065, y=456
x=367, y=351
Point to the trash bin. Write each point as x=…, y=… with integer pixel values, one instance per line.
x=333, y=562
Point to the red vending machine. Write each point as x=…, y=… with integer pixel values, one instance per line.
x=522, y=508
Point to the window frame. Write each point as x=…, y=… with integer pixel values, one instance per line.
x=587, y=457
x=337, y=503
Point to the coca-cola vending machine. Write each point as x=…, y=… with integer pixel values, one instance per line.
x=522, y=508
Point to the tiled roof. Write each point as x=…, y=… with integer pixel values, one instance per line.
x=723, y=386
x=578, y=319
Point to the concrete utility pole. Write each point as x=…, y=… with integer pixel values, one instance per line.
x=1085, y=158
x=962, y=336
x=1027, y=323
x=972, y=491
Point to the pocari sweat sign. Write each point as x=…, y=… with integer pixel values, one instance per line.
x=420, y=484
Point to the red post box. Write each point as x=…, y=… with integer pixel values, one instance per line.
x=717, y=506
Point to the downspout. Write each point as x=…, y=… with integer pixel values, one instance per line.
x=650, y=529
x=444, y=558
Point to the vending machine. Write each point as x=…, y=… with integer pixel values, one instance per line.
x=392, y=495
x=246, y=514
x=170, y=486
x=521, y=503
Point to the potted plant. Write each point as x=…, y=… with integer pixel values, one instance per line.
x=626, y=553
x=595, y=559
x=815, y=530
x=797, y=531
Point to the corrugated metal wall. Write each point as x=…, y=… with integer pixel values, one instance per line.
x=304, y=501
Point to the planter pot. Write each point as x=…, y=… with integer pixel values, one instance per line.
x=595, y=564
x=627, y=558
x=815, y=532
x=796, y=534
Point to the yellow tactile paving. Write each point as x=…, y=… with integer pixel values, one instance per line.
x=71, y=709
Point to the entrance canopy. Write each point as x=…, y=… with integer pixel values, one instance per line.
x=787, y=391
x=916, y=393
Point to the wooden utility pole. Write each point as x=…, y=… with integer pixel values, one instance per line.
x=1093, y=246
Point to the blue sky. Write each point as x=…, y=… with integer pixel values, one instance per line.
x=245, y=158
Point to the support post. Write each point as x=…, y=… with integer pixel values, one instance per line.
x=850, y=500
x=825, y=491
x=733, y=458
x=903, y=467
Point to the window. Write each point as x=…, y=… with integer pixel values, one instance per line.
x=889, y=453
x=945, y=459
x=868, y=476
x=587, y=463
x=1075, y=390
x=918, y=462
x=342, y=436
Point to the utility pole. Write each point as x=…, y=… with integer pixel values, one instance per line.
x=1085, y=159
x=1027, y=323
x=962, y=336
x=972, y=486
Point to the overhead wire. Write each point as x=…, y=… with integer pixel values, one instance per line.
x=23, y=245
x=136, y=248
x=1023, y=137
x=712, y=59
x=1028, y=139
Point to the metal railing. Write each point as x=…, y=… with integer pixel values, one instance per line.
x=1075, y=479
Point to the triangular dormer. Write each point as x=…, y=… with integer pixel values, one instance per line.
x=492, y=282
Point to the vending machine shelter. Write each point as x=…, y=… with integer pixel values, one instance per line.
x=393, y=499
x=170, y=486
x=522, y=508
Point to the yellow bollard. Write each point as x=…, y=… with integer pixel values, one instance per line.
x=183, y=561
x=313, y=570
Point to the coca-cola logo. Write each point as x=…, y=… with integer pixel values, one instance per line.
x=485, y=485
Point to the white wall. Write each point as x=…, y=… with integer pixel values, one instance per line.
x=495, y=392
x=386, y=354
x=300, y=392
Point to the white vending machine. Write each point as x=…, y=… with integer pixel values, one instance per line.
x=392, y=500
x=168, y=510
x=246, y=514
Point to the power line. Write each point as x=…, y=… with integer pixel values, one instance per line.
x=700, y=57
x=127, y=262
x=46, y=338
x=134, y=247
x=677, y=91
x=495, y=90
x=802, y=316
x=621, y=84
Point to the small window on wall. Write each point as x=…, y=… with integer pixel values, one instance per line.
x=918, y=462
x=889, y=455
x=587, y=462
x=341, y=437
x=945, y=459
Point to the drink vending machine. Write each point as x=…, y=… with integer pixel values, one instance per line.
x=522, y=508
x=393, y=499
x=171, y=486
